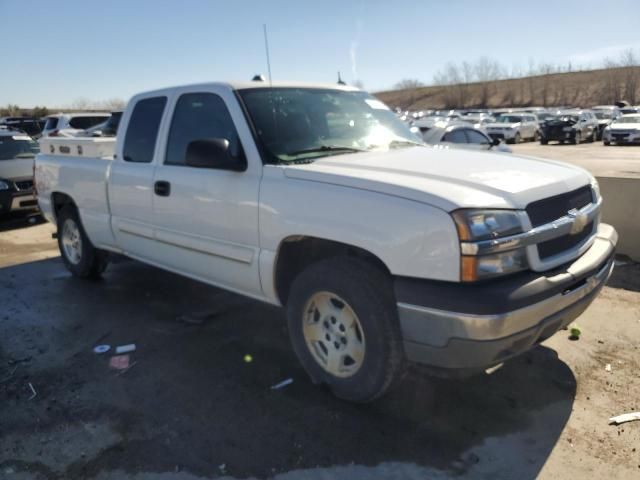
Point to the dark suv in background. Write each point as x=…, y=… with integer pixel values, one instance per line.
x=573, y=126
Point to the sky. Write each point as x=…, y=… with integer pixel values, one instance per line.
x=54, y=53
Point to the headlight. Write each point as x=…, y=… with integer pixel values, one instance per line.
x=4, y=185
x=474, y=225
x=486, y=266
x=480, y=225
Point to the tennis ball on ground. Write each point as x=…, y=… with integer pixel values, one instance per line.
x=575, y=331
x=248, y=358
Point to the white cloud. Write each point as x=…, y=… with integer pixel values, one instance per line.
x=596, y=56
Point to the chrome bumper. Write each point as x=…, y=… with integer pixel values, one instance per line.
x=435, y=336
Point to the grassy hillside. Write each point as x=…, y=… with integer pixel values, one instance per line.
x=586, y=88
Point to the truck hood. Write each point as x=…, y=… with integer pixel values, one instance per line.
x=446, y=178
x=17, y=168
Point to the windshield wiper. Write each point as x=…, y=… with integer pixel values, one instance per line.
x=326, y=148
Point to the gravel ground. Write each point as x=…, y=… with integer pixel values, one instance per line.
x=191, y=407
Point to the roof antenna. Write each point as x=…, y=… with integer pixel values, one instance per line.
x=266, y=47
x=340, y=81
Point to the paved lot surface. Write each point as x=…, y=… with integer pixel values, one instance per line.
x=612, y=161
x=190, y=407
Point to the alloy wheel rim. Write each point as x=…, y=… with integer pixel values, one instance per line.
x=71, y=241
x=333, y=334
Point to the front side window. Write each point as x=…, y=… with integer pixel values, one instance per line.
x=476, y=137
x=142, y=131
x=200, y=116
x=455, y=136
x=17, y=146
x=301, y=124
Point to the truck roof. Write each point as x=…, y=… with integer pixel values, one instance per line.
x=244, y=85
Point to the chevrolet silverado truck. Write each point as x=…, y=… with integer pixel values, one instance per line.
x=318, y=199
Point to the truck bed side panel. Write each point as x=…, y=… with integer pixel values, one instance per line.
x=84, y=180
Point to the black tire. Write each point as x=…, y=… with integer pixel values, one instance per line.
x=606, y=144
x=577, y=139
x=91, y=262
x=369, y=294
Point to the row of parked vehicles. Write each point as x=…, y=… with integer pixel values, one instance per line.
x=491, y=129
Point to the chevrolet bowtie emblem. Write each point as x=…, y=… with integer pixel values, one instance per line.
x=580, y=220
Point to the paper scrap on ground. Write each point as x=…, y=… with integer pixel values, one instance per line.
x=119, y=362
x=627, y=417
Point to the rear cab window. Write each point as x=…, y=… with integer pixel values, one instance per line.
x=142, y=130
x=84, y=122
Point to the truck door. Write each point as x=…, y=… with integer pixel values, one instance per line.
x=206, y=216
x=130, y=186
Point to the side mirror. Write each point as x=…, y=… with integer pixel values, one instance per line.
x=213, y=153
x=495, y=142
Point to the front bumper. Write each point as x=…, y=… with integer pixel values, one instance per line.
x=621, y=137
x=467, y=327
x=558, y=135
x=11, y=201
x=502, y=134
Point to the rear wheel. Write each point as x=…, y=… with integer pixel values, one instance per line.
x=606, y=144
x=343, y=324
x=79, y=255
x=517, y=138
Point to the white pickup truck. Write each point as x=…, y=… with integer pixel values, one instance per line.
x=317, y=198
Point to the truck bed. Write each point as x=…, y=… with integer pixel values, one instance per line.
x=79, y=168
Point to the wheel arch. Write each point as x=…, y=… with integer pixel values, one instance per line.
x=296, y=252
x=59, y=200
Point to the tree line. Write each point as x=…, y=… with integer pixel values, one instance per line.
x=80, y=104
x=472, y=84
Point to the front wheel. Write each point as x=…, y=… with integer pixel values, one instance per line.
x=79, y=255
x=343, y=324
x=577, y=139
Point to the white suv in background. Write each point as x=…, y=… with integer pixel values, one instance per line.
x=68, y=124
x=515, y=127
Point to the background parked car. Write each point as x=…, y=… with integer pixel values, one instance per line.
x=574, y=126
x=514, y=127
x=69, y=124
x=605, y=115
x=462, y=135
x=30, y=126
x=17, y=153
x=625, y=129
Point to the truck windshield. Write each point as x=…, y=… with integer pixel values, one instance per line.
x=300, y=124
x=17, y=146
